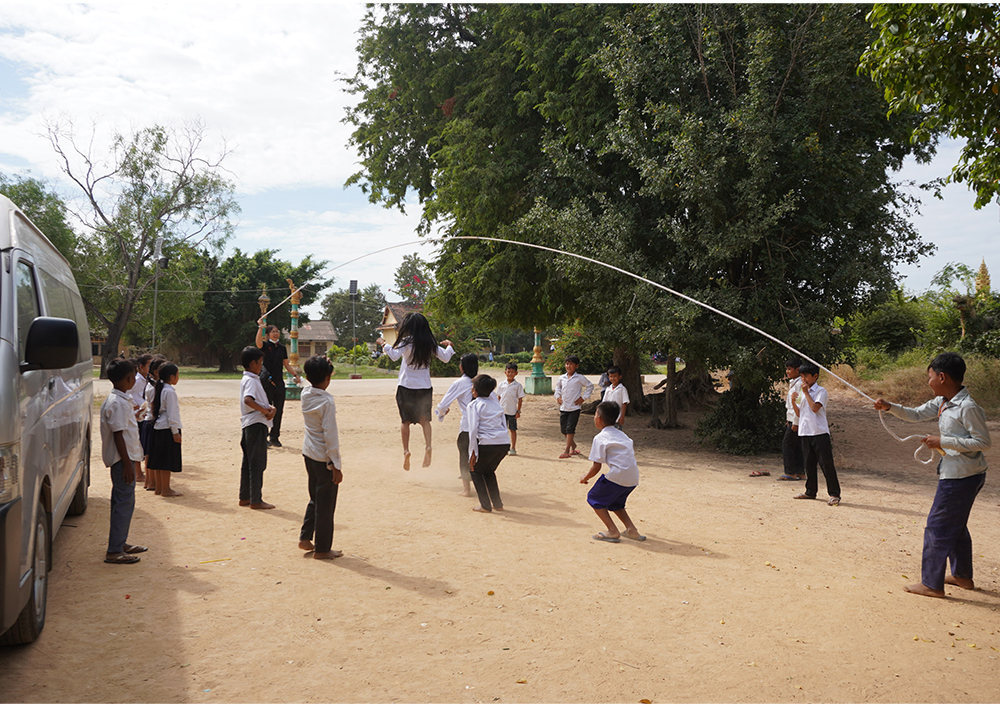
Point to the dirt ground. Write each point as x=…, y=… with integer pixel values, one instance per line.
x=740, y=594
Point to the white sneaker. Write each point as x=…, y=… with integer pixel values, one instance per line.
x=512, y=453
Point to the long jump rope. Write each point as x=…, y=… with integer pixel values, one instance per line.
x=916, y=452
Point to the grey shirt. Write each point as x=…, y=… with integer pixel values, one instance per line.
x=964, y=436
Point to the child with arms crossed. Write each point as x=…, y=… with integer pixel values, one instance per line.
x=613, y=447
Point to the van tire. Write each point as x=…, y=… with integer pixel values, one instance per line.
x=80, y=499
x=29, y=624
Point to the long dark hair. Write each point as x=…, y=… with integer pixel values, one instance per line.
x=167, y=371
x=469, y=363
x=415, y=331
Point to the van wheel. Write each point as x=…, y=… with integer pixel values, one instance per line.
x=29, y=624
x=79, y=503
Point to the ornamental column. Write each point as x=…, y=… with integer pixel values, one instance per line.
x=292, y=390
x=537, y=383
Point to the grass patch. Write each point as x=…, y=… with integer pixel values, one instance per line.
x=342, y=371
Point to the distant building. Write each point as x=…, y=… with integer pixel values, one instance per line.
x=315, y=338
x=392, y=315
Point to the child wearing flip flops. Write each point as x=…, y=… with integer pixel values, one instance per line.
x=613, y=447
x=571, y=390
x=122, y=452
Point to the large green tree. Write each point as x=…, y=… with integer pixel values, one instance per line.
x=228, y=321
x=943, y=60
x=730, y=152
x=156, y=182
x=358, y=317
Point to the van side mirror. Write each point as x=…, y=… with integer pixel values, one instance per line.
x=52, y=343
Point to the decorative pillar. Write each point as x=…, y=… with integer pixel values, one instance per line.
x=537, y=383
x=292, y=390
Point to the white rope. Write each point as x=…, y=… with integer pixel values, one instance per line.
x=648, y=282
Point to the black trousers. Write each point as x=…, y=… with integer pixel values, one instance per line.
x=463, y=456
x=276, y=394
x=817, y=448
x=791, y=451
x=254, y=444
x=321, y=506
x=484, y=475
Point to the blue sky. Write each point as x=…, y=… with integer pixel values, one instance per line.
x=264, y=79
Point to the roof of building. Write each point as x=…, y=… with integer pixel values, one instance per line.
x=398, y=311
x=317, y=331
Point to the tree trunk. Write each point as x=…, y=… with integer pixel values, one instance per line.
x=109, y=352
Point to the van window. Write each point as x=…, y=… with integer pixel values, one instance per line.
x=62, y=302
x=27, y=303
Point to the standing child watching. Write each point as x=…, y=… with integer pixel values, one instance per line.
x=165, y=440
x=613, y=447
x=321, y=451
x=137, y=392
x=961, y=474
x=461, y=391
x=814, y=435
x=121, y=452
x=791, y=446
x=256, y=414
x=572, y=389
x=488, y=442
x=511, y=396
x=146, y=422
x=617, y=393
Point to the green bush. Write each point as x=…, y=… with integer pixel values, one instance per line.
x=892, y=327
x=594, y=354
x=518, y=358
x=745, y=422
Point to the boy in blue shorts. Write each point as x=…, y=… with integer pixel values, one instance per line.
x=613, y=447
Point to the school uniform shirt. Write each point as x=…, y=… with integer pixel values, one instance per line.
x=170, y=410
x=613, y=448
x=460, y=392
x=487, y=424
x=319, y=412
x=148, y=393
x=794, y=396
x=251, y=386
x=964, y=437
x=812, y=423
x=137, y=391
x=117, y=416
x=617, y=394
x=409, y=376
x=569, y=388
x=509, y=394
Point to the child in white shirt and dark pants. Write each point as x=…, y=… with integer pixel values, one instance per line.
x=613, y=447
x=321, y=451
x=488, y=442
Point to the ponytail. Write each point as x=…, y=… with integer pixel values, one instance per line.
x=167, y=370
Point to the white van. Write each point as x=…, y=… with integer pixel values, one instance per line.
x=46, y=402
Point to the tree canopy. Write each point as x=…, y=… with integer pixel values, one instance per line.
x=43, y=206
x=360, y=316
x=155, y=183
x=943, y=61
x=730, y=152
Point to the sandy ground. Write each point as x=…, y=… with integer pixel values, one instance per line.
x=740, y=594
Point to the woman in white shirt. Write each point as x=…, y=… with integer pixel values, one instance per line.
x=416, y=346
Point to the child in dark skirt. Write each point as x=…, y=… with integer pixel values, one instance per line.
x=165, y=441
x=613, y=447
x=321, y=451
x=146, y=423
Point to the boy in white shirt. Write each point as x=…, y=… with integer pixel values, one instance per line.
x=617, y=393
x=488, y=442
x=461, y=392
x=814, y=434
x=572, y=389
x=613, y=447
x=321, y=451
x=791, y=446
x=120, y=450
x=511, y=396
x=256, y=414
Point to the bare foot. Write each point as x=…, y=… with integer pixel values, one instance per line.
x=140, y=477
x=427, y=458
x=327, y=555
x=169, y=493
x=306, y=545
x=406, y=461
x=633, y=534
x=962, y=582
x=261, y=506
x=466, y=493
x=498, y=508
x=923, y=590
x=244, y=501
x=480, y=509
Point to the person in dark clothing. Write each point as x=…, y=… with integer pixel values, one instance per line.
x=275, y=359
